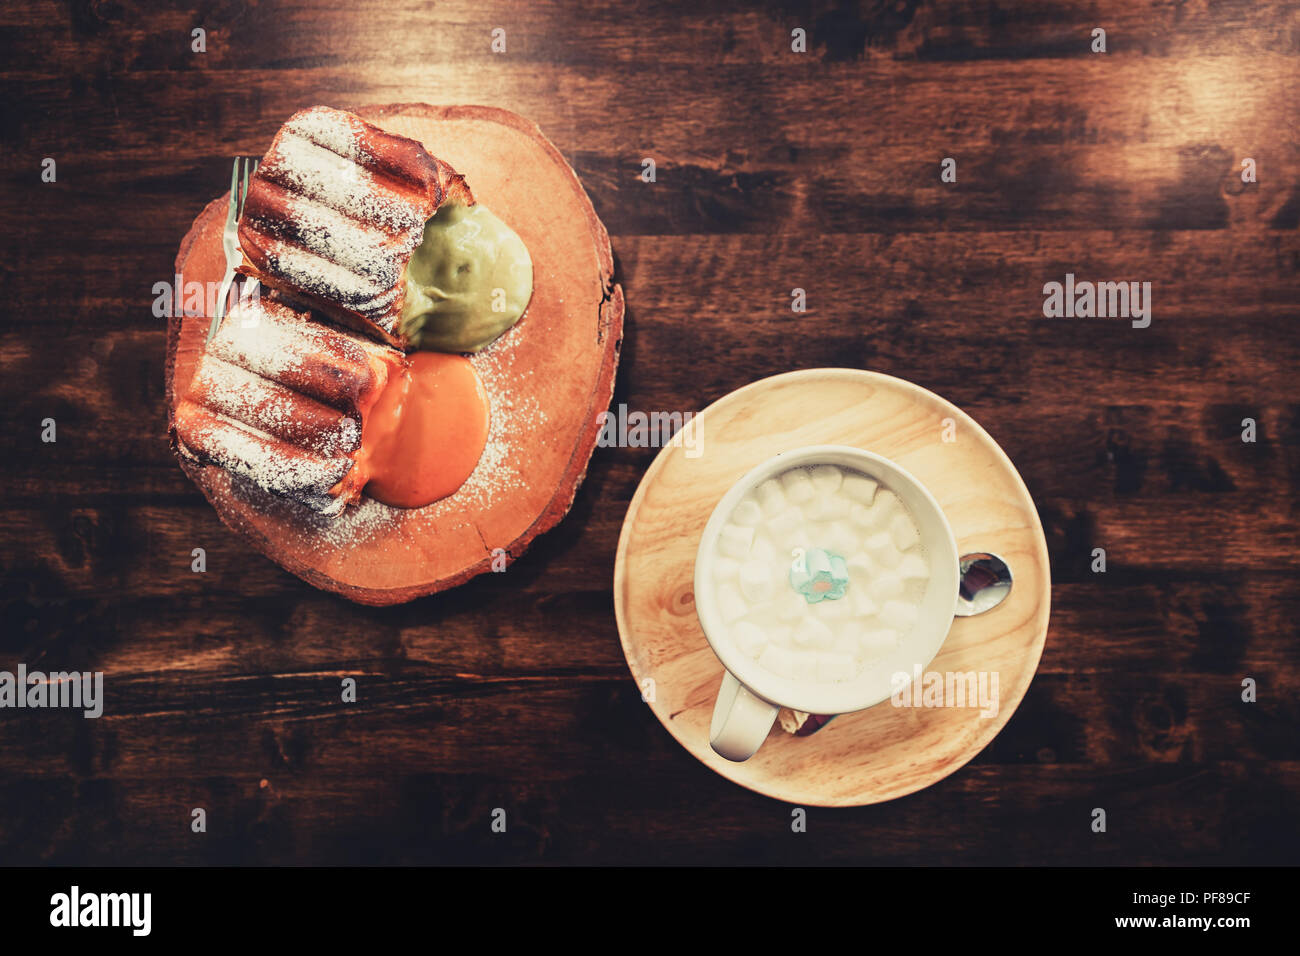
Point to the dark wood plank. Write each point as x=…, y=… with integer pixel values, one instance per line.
x=774, y=170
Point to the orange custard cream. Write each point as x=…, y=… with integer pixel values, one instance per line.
x=426, y=432
x=320, y=415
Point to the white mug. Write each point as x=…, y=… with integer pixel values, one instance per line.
x=750, y=695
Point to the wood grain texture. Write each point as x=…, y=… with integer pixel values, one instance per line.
x=554, y=371
x=774, y=171
x=883, y=752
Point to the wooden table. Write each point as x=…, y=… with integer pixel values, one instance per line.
x=774, y=171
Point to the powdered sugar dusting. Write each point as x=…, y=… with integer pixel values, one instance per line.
x=266, y=338
x=303, y=167
x=345, y=240
x=275, y=399
x=253, y=455
x=515, y=420
x=320, y=276
x=344, y=222
x=515, y=424
x=333, y=129
x=272, y=408
x=365, y=520
x=243, y=396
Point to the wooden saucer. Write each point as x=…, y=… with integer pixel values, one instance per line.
x=886, y=751
x=547, y=378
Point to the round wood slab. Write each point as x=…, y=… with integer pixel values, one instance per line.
x=885, y=751
x=547, y=379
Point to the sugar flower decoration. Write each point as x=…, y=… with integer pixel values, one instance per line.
x=819, y=575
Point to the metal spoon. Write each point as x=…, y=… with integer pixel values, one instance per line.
x=985, y=583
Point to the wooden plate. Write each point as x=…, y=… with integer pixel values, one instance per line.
x=547, y=379
x=886, y=751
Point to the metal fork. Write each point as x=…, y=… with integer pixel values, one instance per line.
x=243, y=168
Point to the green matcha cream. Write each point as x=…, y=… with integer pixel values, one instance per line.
x=468, y=282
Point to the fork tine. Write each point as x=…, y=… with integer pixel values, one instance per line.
x=250, y=167
x=233, y=210
x=243, y=195
x=234, y=185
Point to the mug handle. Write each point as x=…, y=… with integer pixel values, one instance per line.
x=741, y=720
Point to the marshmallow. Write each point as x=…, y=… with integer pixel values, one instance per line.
x=886, y=586
x=771, y=497
x=825, y=507
x=880, y=546
x=904, y=532
x=886, y=506
x=847, y=643
x=764, y=549
x=780, y=634
x=810, y=632
x=735, y=541
x=805, y=666
x=833, y=667
x=859, y=487
x=798, y=486
x=825, y=478
x=725, y=569
x=731, y=605
x=756, y=581
x=898, y=615
x=794, y=543
x=790, y=606
x=750, y=638
x=914, y=568
x=861, y=602
x=888, y=559
x=747, y=513
x=877, y=643
x=841, y=540
x=787, y=524
x=837, y=610
x=861, y=517
x=819, y=575
x=778, y=661
x=862, y=570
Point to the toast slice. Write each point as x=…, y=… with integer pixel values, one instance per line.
x=334, y=212
x=281, y=400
